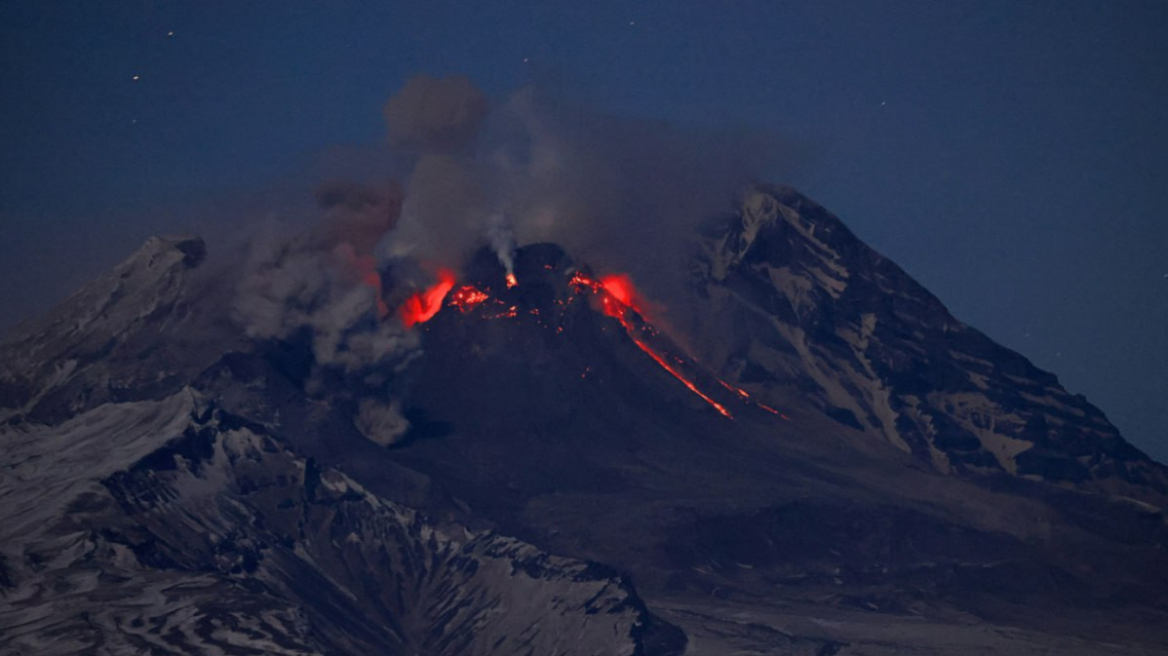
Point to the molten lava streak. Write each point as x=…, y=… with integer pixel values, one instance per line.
x=422, y=307
x=746, y=397
x=677, y=374
x=619, y=298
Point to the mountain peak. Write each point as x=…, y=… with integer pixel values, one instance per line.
x=192, y=248
x=138, y=283
x=133, y=324
x=817, y=314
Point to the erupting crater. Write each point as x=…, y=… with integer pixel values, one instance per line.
x=545, y=285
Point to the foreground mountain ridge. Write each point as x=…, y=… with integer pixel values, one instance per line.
x=181, y=529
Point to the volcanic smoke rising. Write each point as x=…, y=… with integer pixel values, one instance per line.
x=623, y=195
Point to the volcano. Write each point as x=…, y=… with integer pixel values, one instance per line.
x=812, y=456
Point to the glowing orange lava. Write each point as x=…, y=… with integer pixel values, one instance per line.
x=581, y=281
x=422, y=307
x=620, y=296
x=465, y=298
x=620, y=286
x=677, y=374
x=617, y=297
x=748, y=398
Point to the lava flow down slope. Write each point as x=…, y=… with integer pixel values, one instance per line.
x=802, y=453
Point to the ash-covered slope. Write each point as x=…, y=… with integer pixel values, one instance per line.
x=789, y=302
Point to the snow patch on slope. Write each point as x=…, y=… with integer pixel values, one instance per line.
x=45, y=468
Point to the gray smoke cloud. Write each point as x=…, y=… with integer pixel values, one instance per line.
x=436, y=115
x=502, y=240
x=290, y=288
x=621, y=193
x=326, y=281
x=356, y=214
x=382, y=422
x=444, y=212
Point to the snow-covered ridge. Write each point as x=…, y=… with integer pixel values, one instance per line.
x=823, y=310
x=191, y=531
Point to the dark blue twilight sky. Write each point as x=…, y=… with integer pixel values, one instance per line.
x=1012, y=156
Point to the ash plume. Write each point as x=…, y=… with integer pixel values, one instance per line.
x=356, y=214
x=621, y=193
x=436, y=115
x=444, y=213
x=324, y=284
x=326, y=281
x=382, y=422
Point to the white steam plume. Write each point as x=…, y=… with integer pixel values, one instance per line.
x=502, y=240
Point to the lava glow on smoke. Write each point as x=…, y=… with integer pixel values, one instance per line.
x=422, y=307
x=621, y=288
x=365, y=268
